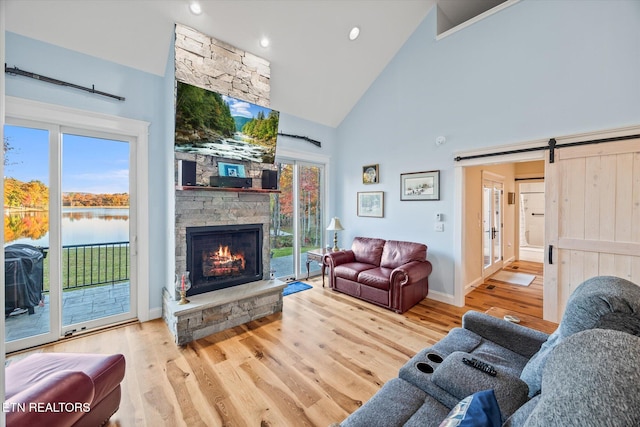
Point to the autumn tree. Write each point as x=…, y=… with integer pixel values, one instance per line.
x=6, y=148
x=95, y=200
x=33, y=194
x=309, y=203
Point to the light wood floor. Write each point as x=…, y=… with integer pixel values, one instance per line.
x=311, y=365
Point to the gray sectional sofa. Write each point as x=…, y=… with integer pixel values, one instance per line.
x=587, y=373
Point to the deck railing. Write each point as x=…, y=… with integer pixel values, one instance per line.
x=94, y=264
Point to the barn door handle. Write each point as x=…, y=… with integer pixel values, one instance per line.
x=550, y=254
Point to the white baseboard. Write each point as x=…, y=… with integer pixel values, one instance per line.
x=155, y=313
x=441, y=297
x=449, y=299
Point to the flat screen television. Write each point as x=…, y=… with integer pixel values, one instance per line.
x=218, y=125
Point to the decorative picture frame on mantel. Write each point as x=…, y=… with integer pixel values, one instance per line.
x=420, y=185
x=371, y=204
x=231, y=169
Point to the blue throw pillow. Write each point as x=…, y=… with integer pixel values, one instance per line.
x=478, y=410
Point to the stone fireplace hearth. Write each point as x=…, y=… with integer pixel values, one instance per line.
x=233, y=305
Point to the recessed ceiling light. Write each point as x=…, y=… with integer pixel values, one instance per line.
x=354, y=33
x=264, y=42
x=195, y=8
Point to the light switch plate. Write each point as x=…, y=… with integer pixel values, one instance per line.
x=439, y=226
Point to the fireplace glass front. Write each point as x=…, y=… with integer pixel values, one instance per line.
x=223, y=256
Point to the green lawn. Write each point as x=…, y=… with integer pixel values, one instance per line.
x=81, y=269
x=280, y=252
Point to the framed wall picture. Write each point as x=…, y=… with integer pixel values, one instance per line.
x=371, y=203
x=420, y=185
x=370, y=174
x=231, y=169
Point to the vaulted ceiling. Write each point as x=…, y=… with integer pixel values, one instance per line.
x=317, y=73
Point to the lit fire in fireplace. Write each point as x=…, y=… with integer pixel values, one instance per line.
x=222, y=262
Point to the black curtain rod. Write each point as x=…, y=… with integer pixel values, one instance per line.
x=306, y=138
x=552, y=146
x=18, y=72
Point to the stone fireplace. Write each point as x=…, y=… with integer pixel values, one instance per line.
x=229, y=288
x=227, y=293
x=222, y=256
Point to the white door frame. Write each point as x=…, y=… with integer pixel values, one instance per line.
x=550, y=298
x=300, y=158
x=459, y=232
x=34, y=111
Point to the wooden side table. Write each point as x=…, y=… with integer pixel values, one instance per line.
x=525, y=319
x=317, y=255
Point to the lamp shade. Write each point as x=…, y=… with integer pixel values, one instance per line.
x=335, y=225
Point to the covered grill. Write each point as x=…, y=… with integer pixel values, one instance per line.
x=23, y=278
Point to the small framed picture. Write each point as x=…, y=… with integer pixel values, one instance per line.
x=371, y=203
x=420, y=185
x=231, y=169
x=370, y=174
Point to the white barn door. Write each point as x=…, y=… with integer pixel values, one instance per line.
x=592, y=218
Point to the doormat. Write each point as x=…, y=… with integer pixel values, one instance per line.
x=520, y=279
x=294, y=287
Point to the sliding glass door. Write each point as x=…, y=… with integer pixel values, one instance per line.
x=67, y=232
x=29, y=311
x=282, y=224
x=310, y=218
x=296, y=218
x=95, y=231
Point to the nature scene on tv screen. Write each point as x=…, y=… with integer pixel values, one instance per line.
x=218, y=125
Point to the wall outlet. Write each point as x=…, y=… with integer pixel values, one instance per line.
x=439, y=226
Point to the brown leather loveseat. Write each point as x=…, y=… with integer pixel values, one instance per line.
x=389, y=273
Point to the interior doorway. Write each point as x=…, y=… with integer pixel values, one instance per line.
x=489, y=214
x=570, y=210
x=531, y=200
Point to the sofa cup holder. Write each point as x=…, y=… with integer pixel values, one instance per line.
x=425, y=367
x=435, y=358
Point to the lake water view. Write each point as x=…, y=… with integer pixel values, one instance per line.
x=79, y=226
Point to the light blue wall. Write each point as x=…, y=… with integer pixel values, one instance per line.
x=145, y=100
x=293, y=125
x=535, y=70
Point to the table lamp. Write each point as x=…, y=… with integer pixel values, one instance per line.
x=335, y=226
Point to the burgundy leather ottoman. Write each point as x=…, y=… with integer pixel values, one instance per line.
x=66, y=389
